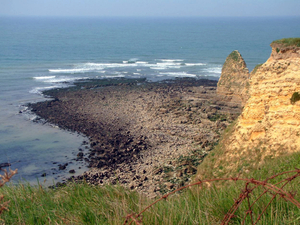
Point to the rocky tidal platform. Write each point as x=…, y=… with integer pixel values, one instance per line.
x=148, y=136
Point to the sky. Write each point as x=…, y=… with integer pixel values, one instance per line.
x=150, y=8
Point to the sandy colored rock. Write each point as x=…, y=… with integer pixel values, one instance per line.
x=234, y=80
x=269, y=125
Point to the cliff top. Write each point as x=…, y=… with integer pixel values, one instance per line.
x=288, y=42
x=235, y=55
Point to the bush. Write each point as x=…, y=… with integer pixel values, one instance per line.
x=295, y=97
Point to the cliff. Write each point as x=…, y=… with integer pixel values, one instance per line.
x=269, y=125
x=234, y=80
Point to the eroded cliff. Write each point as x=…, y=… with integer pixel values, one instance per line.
x=269, y=125
x=234, y=80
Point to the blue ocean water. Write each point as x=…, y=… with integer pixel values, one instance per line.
x=42, y=53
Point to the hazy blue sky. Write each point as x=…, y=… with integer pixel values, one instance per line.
x=153, y=8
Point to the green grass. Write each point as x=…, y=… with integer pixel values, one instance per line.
x=85, y=204
x=288, y=41
x=73, y=204
x=215, y=117
x=256, y=68
x=234, y=55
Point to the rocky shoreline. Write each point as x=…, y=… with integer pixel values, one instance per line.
x=148, y=136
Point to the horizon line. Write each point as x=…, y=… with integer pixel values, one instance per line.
x=145, y=17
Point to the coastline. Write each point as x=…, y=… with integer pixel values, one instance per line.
x=145, y=136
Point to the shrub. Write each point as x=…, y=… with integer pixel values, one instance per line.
x=234, y=55
x=295, y=97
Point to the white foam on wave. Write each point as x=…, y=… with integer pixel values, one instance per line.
x=133, y=60
x=171, y=60
x=215, y=70
x=166, y=65
x=195, y=64
x=44, y=77
x=98, y=67
x=113, y=76
x=70, y=71
x=59, y=79
x=177, y=74
x=169, y=64
x=141, y=62
x=157, y=68
x=81, y=68
x=39, y=90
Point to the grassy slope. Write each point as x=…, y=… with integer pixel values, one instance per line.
x=83, y=204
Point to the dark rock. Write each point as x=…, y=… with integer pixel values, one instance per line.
x=43, y=175
x=71, y=171
x=157, y=171
x=4, y=165
x=80, y=155
x=62, y=167
x=191, y=169
x=169, y=185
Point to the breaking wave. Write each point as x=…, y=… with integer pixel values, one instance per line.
x=177, y=74
x=132, y=68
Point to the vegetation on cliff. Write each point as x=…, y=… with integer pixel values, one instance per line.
x=288, y=42
x=295, y=97
x=235, y=55
x=256, y=68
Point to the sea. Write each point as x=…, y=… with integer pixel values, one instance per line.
x=40, y=53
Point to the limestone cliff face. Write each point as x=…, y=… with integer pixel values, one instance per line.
x=234, y=80
x=270, y=123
